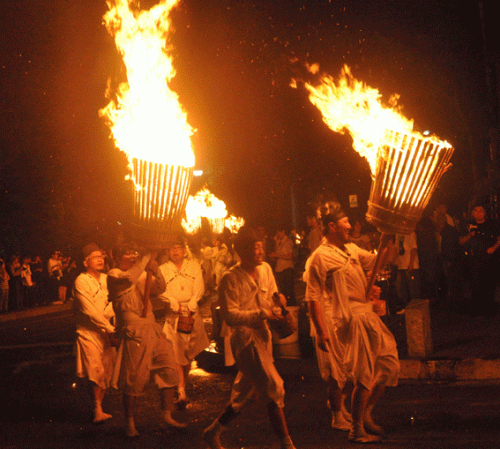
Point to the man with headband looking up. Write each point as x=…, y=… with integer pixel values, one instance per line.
x=351, y=340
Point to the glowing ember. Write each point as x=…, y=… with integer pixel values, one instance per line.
x=204, y=204
x=351, y=105
x=145, y=117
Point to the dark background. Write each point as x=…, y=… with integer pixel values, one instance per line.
x=259, y=142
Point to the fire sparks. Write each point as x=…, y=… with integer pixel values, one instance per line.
x=145, y=117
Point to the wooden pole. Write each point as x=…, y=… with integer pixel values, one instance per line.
x=384, y=242
x=147, y=293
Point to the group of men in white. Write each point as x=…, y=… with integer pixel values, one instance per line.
x=356, y=353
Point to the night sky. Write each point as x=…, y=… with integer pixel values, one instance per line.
x=257, y=139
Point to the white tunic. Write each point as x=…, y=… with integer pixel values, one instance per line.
x=244, y=302
x=184, y=288
x=94, y=354
x=362, y=347
x=144, y=349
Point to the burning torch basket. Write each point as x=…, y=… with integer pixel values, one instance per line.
x=407, y=172
x=217, y=224
x=408, y=169
x=160, y=198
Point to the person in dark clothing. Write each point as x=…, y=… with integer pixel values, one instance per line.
x=481, y=245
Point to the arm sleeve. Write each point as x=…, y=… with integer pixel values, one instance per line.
x=230, y=306
x=83, y=297
x=315, y=277
x=198, y=287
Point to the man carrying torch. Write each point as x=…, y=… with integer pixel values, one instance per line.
x=351, y=340
x=144, y=351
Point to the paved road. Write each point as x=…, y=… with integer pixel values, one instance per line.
x=44, y=406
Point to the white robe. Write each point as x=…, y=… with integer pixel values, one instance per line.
x=144, y=350
x=363, y=349
x=184, y=288
x=244, y=302
x=94, y=354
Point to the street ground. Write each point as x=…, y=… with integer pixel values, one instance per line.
x=44, y=405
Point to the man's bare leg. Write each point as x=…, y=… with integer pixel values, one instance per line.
x=128, y=405
x=341, y=419
x=211, y=435
x=183, y=370
x=360, y=398
x=278, y=423
x=167, y=400
x=375, y=394
x=97, y=394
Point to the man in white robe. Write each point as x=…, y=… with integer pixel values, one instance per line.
x=95, y=334
x=246, y=299
x=144, y=350
x=346, y=325
x=181, y=282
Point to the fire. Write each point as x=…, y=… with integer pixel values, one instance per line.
x=234, y=223
x=205, y=204
x=405, y=165
x=146, y=120
x=352, y=105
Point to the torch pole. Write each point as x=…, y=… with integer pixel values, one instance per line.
x=147, y=293
x=384, y=242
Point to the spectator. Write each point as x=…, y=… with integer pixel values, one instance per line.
x=16, y=283
x=284, y=266
x=359, y=237
x=315, y=235
x=4, y=288
x=481, y=243
x=428, y=258
x=28, y=287
x=407, y=277
x=55, y=270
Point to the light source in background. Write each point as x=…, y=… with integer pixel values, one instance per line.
x=234, y=223
x=197, y=173
x=204, y=204
x=405, y=165
x=146, y=119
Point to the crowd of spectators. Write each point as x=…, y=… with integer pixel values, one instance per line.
x=453, y=262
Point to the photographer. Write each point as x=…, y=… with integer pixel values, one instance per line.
x=481, y=245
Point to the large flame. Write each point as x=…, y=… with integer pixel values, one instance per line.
x=351, y=105
x=145, y=117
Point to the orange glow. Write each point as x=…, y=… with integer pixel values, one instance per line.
x=205, y=204
x=144, y=115
x=405, y=165
x=351, y=105
x=234, y=223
